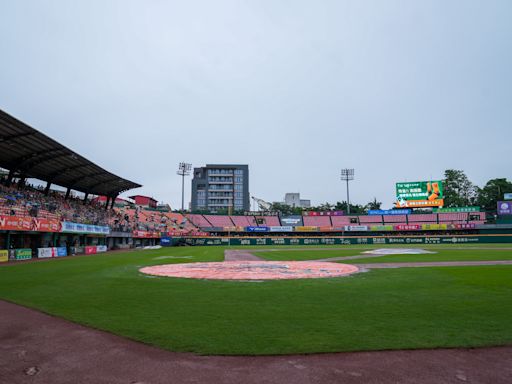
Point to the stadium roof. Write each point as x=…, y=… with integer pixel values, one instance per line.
x=33, y=154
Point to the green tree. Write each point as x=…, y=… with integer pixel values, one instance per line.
x=459, y=191
x=374, y=204
x=285, y=209
x=355, y=209
x=492, y=192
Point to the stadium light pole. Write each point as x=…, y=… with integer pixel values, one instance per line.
x=347, y=174
x=183, y=170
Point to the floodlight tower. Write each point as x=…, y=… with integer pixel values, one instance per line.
x=183, y=170
x=347, y=174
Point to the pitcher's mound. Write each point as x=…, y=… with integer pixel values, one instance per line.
x=252, y=270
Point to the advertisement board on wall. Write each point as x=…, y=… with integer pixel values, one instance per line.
x=389, y=211
x=306, y=228
x=457, y=209
x=90, y=250
x=257, y=229
x=46, y=252
x=351, y=240
x=504, y=207
x=71, y=227
x=4, y=255
x=62, y=251
x=282, y=228
x=294, y=221
x=15, y=223
x=418, y=194
x=354, y=228
x=23, y=254
x=165, y=241
x=507, y=196
x=323, y=213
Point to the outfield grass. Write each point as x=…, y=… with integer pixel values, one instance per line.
x=442, y=254
x=381, y=309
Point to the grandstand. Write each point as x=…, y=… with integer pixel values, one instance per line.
x=36, y=216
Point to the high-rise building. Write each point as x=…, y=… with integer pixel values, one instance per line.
x=221, y=187
x=294, y=200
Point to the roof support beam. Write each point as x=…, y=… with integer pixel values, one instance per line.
x=7, y=138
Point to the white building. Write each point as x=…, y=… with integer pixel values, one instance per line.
x=294, y=200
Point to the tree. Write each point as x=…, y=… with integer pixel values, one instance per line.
x=373, y=205
x=354, y=209
x=285, y=209
x=459, y=191
x=492, y=192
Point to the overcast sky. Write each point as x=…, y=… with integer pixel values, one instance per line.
x=398, y=90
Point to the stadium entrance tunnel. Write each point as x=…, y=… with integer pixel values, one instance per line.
x=253, y=270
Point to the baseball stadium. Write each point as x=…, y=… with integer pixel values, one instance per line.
x=255, y=192
x=82, y=267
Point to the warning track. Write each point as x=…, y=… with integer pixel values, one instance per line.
x=38, y=348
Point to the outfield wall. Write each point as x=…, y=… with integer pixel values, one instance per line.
x=353, y=240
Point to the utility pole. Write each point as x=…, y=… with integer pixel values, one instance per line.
x=183, y=170
x=347, y=174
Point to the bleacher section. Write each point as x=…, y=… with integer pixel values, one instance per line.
x=423, y=218
x=269, y=221
x=395, y=219
x=340, y=221
x=317, y=221
x=217, y=221
x=242, y=221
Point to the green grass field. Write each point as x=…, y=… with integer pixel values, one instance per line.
x=380, y=309
x=442, y=254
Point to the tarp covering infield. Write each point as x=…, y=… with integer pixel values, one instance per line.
x=352, y=240
x=252, y=270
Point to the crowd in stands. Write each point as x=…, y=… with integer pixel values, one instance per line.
x=29, y=200
x=137, y=218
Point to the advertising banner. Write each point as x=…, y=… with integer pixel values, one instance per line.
x=23, y=254
x=457, y=209
x=389, y=211
x=504, y=207
x=15, y=223
x=354, y=228
x=62, y=251
x=419, y=194
x=46, y=252
x=146, y=235
x=306, y=229
x=434, y=227
x=351, y=240
x=325, y=229
x=233, y=229
x=90, y=250
x=324, y=213
x=465, y=226
x=77, y=250
x=282, y=228
x=407, y=227
x=507, y=196
x=257, y=229
x=165, y=241
x=292, y=220
x=71, y=227
x=101, y=248
x=381, y=228
x=4, y=255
